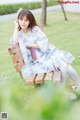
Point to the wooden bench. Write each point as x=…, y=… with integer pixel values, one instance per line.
x=33, y=78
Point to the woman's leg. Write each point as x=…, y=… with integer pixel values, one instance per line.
x=63, y=74
x=73, y=74
x=69, y=70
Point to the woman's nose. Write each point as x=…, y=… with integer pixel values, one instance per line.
x=23, y=21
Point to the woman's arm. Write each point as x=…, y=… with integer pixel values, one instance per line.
x=34, y=45
x=15, y=34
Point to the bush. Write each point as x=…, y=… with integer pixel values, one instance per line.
x=12, y=8
x=47, y=103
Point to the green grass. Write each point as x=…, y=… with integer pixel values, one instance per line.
x=63, y=34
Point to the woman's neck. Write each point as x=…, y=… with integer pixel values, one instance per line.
x=25, y=31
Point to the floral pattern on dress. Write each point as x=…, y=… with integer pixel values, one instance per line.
x=49, y=58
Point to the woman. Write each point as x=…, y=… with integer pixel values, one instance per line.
x=48, y=57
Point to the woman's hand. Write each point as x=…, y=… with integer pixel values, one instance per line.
x=34, y=45
x=28, y=44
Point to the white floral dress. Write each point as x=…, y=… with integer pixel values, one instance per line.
x=49, y=58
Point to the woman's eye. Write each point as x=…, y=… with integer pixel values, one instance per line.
x=26, y=20
x=21, y=19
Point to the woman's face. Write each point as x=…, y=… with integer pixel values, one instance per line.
x=24, y=23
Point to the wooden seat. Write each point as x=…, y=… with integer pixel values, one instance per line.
x=33, y=78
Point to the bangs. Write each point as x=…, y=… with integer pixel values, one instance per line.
x=22, y=15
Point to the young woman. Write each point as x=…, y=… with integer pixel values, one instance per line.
x=48, y=57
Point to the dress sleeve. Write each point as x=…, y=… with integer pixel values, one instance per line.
x=24, y=51
x=11, y=41
x=41, y=39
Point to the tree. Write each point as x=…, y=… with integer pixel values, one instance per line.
x=62, y=7
x=43, y=13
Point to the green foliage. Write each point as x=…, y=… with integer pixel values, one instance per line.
x=12, y=8
x=48, y=102
x=52, y=2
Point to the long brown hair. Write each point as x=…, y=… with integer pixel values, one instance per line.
x=29, y=16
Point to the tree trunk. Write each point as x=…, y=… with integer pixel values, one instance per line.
x=65, y=17
x=43, y=13
x=62, y=7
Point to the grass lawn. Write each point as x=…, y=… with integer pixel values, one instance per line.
x=64, y=35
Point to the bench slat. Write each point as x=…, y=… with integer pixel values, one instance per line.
x=19, y=65
x=39, y=78
x=48, y=76
x=14, y=49
x=16, y=57
x=31, y=79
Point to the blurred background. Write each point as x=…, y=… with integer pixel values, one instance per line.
x=16, y=1
x=61, y=24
